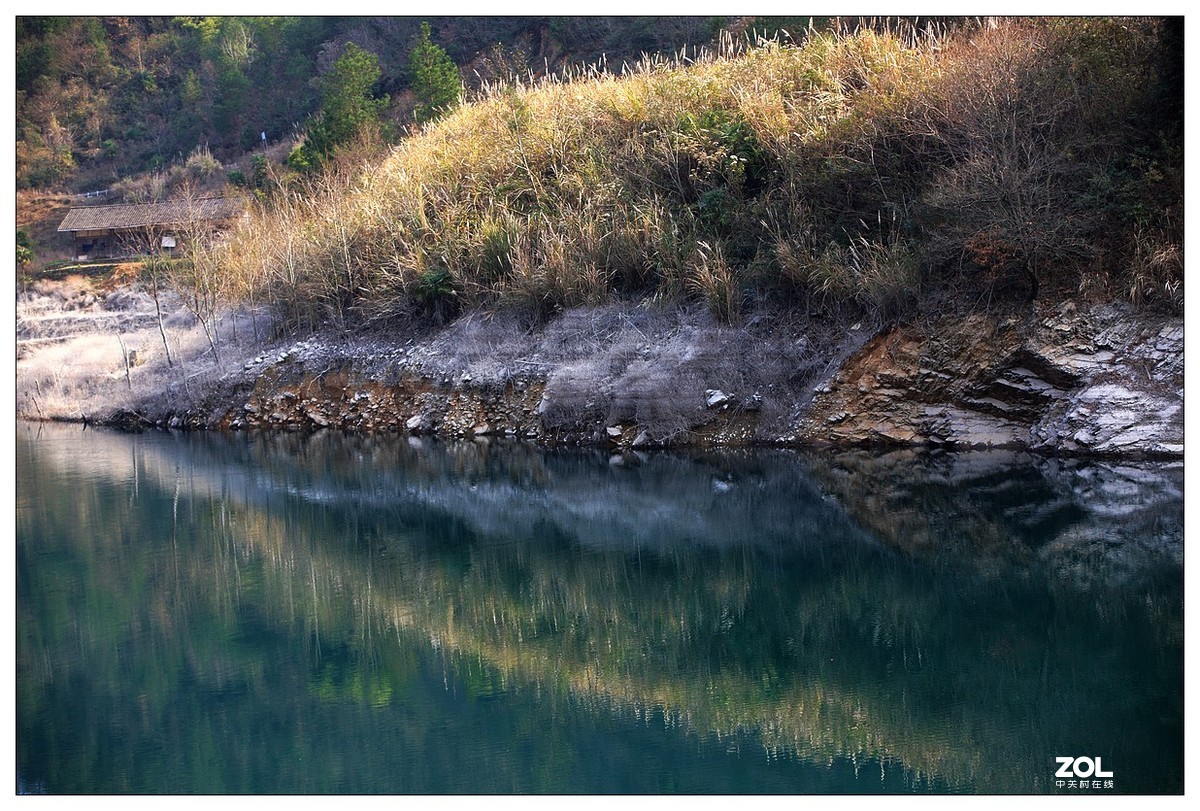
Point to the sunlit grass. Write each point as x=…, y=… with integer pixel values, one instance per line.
x=852, y=168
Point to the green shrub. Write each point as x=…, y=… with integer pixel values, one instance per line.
x=729, y=149
x=436, y=292
x=24, y=248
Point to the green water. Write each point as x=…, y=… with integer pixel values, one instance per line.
x=270, y=614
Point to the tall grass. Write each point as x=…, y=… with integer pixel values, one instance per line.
x=851, y=170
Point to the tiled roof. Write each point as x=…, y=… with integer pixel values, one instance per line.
x=137, y=215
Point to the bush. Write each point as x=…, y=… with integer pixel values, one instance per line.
x=24, y=248
x=1039, y=119
x=435, y=292
x=716, y=283
x=201, y=164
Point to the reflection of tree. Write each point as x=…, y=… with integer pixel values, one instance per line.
x=819, y=649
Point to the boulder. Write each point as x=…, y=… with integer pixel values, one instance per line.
x=715, y=398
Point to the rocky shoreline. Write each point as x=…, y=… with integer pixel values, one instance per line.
x=1096, y=381
x=1100, y=380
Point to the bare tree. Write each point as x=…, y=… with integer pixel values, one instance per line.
x=197, y=274
x=145, y=242
x=154, y=270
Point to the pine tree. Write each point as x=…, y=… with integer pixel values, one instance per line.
x=347, y=105
x=435, y=79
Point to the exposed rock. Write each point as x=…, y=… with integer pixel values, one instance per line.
x=419, y=423
x=715, y=398
x=1100, y=381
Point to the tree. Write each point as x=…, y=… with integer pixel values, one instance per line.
x=348, y=105
x=435, y=79
x=24, y=248
x=199, y=275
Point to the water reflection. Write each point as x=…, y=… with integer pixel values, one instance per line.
x=323, y=613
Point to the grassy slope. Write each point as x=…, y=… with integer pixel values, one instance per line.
x=858, y=172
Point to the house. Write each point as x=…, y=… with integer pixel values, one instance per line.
x=138, y=228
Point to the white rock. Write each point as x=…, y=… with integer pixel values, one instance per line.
x=715, y=397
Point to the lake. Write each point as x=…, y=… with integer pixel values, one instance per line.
x=287, y=613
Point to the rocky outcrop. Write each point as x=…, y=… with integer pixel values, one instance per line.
x=611, y=375
x=1100, y=381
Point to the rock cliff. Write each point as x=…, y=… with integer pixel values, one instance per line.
x=1101, y=380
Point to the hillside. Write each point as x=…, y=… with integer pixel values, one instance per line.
x=866, y=172
x=966, y=237
x=103, y=99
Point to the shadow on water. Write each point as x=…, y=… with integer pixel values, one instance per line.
x=285, y=613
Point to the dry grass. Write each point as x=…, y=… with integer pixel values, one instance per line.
x=850, y=168
x=1158, y=270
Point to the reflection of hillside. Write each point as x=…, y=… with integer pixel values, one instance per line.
x=771, y=614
